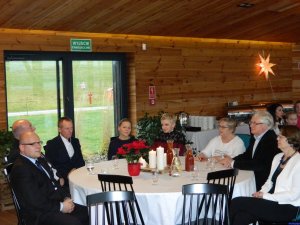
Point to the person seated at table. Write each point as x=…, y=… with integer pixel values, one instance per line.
x=18, y=128
x=42, y=200
x=124, y=129
x=276, y=110
x=261, y=150
x=64, y=151
x=227, y=143
x=279, y=198
x=297, y=110
x=168, y=132
x=291, y=118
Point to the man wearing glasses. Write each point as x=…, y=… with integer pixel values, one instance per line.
x=261, y=151
x=42, y=200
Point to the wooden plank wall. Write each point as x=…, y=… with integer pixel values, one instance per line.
x=198, y=76
x=296, y=72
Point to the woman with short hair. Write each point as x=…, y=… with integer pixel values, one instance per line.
x=279, y=198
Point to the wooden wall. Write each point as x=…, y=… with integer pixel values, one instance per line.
x=198, y=76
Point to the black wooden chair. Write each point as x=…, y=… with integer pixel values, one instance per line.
x=7, y=169
x=110, y=182
x=205, y=204
x=225, y=177
x=118, y=206
x=277, y=223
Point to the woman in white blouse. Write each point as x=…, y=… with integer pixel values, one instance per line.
x=226, y=143
x=279, y=198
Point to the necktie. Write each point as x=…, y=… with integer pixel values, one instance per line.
x=39, y=166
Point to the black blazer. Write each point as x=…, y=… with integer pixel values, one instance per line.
x=37, y=194
x=57, y=155
x=262, y=159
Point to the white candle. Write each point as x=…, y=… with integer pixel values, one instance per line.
x=165, y=160
x=152, y=159
x=160, y=158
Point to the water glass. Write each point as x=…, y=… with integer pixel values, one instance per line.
x=195, y=174
x=90, y=166
x=155, y=177
x=210, y=164
x=115, y=160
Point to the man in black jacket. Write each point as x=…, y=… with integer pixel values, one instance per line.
x=64, y=151
x=261, y=151
x=42, y=200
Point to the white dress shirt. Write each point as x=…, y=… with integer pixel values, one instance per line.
x=68, y=146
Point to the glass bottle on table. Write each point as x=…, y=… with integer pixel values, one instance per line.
x=189, y=158
x=175, y=168
x=170, y=154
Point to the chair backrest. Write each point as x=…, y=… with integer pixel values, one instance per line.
x=118, y=206
x=7, y=169
x=245, y=138
x=205, y=204
x=225, y=177
x=110, y=182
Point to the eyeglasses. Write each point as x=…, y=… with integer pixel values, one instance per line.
x=222, y=127
x=33, y=143
x=254, y=123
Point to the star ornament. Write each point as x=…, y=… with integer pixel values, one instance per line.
x=265, y=66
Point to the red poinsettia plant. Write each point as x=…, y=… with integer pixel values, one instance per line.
x=133, y=151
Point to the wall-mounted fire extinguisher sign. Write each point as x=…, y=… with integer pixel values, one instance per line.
x=152, y=95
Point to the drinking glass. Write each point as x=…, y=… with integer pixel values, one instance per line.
x=195, y=173
x=90, y=166
x=115, y=162
x=155, y=177
x=210, y=164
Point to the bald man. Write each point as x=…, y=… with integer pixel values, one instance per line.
x=42, y=200
x=18, y=128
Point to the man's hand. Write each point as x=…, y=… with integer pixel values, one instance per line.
x=61, y=181
x=258, y=194
x=68, y=205
x=226, y=161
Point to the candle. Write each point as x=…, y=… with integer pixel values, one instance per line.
x=152, y=159
x=165, y=160
x=160, y=158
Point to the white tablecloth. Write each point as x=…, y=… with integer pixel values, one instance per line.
x=201, y=138
x=161, y=203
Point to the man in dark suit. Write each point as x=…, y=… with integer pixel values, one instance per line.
x=18, y=128
x=261, y=151
x=42, y=200
x=64, y=151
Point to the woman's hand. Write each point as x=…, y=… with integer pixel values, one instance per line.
x=202, y=157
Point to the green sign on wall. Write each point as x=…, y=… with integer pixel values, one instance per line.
x=81, y=45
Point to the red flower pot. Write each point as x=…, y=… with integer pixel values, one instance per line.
x=134, y=169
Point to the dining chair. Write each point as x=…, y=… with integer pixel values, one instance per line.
x=7, y=169
x=111, y=182
x=225, y=177
x=205, y=204
x=118, y=206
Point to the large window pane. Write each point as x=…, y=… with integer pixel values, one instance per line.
x=31, y=94
x=93, y=104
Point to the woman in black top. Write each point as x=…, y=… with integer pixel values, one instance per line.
x=124, y=137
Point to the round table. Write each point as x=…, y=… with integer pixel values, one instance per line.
x=161, y=203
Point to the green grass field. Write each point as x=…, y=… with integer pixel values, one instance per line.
x=31, y=87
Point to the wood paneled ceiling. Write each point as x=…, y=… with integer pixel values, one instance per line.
x=267, y=20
